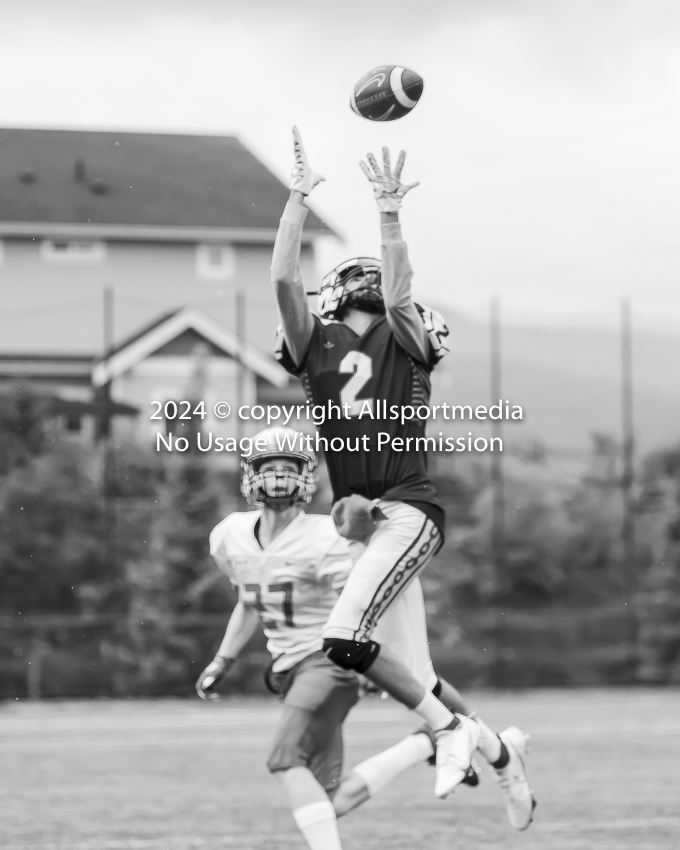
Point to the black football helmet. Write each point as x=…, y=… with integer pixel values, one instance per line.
x=354, y=283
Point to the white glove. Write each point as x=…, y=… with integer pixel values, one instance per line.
x=387, y=189
x=212, y=676
x=304, y=179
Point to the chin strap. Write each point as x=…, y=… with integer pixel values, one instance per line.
x=279, y=504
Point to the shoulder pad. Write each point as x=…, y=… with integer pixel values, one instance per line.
x=320, y=525
x=437, y=332
x=234, y=521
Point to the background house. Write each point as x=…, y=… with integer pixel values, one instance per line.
x=104, y=234
x=188, y=356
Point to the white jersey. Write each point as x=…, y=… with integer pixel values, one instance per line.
x=293, y=583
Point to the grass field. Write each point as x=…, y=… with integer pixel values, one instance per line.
x=174, y=775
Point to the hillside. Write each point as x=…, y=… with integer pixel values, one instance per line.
x=568, y=382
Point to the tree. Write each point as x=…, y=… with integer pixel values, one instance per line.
x=659, y=601
x=25, y=417
x=50, y=518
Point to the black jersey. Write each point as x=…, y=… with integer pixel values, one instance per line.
x=365, y=376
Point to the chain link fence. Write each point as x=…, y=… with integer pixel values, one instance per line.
x=107, y=655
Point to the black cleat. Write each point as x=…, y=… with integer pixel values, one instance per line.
x=472, y=776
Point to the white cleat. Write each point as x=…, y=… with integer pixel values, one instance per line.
x=455, y=749
x=512, y=780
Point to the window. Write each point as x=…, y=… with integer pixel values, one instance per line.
x=74, y=422
x=72, y=251
x=181, y=423
x=215, y=262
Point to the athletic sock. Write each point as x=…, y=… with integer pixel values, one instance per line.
x=319, y=825
x=436, y=715
x=490, y=745
x=382, y=768
x=503, y=759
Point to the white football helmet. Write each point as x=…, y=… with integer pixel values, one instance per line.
x=354, y=283
x=275, y=488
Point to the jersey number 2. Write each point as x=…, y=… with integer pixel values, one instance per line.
x=362, y=367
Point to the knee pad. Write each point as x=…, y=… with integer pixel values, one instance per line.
x=351, y=654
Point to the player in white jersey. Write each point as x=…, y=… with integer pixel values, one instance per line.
x=293, y=582
x=289, y=567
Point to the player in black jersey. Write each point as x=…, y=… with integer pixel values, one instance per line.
x=369, y=346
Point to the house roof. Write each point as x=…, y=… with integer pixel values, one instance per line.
x=137, y=180
x=76, y=368
x=56, y=404
x=153, y=337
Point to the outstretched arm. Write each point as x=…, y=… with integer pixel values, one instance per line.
x=402, y=314
x=291, y=299
x=240, y=629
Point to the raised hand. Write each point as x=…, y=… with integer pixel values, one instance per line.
x=304, y=178
x=387, y=187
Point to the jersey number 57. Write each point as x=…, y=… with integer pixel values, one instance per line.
x=284, y=587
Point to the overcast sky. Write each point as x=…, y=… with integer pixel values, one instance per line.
x=547, y=141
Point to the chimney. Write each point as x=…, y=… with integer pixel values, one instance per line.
x=79, y=171
x=27, y=175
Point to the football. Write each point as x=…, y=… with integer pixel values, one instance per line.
x=386, y=93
